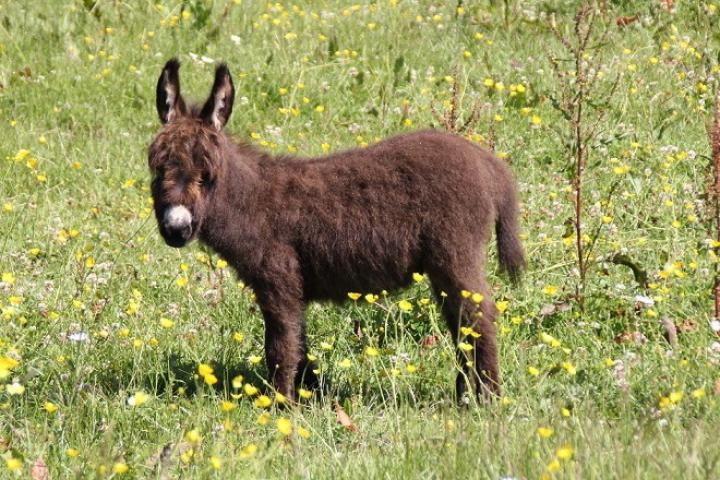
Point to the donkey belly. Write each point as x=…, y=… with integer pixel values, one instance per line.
x=366, y=269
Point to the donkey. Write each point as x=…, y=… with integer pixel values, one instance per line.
x=313, y=229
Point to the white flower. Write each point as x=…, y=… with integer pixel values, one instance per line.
x=644, y=300
x=79, y=337
x=715, y=325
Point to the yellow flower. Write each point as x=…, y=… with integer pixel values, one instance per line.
x=549, y=340
x=181, y=281
x=50, y=407
x=345, y=363
x=263, y=418
x=215, y=462
x=371, y=298
x=166, y=323
x=565, y=412
x=535, y=120
x=564, y=452
x=405, y=306
x=465, y=347
x=120, y=468
x=545, y=432
x=204, y=370
x=418, y=277
x=254, y=359
x=237, y=382
x=250, y=390
x=354, y=295
x=13, y=464
x=553, y=466
x=469, y=331
x=248, y=450
x=371, y=352
x=477, y=298
x=698, y=393
x=533, y=371
x=284, y=426
x=72, y=452
x=210, y=379
x=263, y=401
x=193, y=436
x=465, y=294
x=675, y=397
x=569, y=367
x=303, y=433
x=304, y=393
x=410, y=368
x=502, y=305
x=550, y=289
x=226, y=406
x=238, y=337
x=138, y=399
x=8, y=277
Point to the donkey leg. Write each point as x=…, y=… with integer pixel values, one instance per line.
x=485, y=346
x=451, y=308
x=279, y=294
x=462, y=312
x=283, y=346
x=305, y=375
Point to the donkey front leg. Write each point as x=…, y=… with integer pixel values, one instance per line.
x=283, y=346
x=279, y=294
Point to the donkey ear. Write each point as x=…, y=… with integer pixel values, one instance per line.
x=168, y=100
x=218, y=107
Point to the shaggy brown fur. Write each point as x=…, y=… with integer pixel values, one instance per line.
x=362, y=220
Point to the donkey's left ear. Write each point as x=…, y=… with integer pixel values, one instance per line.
x=218, y=107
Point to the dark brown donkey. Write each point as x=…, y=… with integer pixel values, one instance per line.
x=362, y=220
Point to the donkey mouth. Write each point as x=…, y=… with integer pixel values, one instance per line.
x=177, y=238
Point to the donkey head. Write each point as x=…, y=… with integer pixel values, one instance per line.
x=186, y=156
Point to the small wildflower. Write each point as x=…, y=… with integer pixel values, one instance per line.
x=263, y=401
x=50, y=407
x=564, y=452
x=304, y=394
x=193, y=436
x=545, y=432
x=353, y=295
x=284, y=426
x=72, y=452
x=371, y=352
x=405, y=306
x=250, y=390
x=248, y=450
x=138, y=399
x=345, y=363
x=15, y=388
x=120, y=468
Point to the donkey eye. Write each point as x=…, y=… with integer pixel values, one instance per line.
x=205, y=180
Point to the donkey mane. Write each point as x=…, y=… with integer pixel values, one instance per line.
x=361, y=220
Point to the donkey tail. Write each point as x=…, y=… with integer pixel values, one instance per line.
x=510, y=251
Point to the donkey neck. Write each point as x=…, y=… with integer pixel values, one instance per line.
x=231, y=218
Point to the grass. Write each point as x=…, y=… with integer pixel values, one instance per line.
x=86, y=280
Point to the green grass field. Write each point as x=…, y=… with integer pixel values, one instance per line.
x=107, y=336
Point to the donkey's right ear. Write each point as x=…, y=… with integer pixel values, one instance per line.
x=169, y=102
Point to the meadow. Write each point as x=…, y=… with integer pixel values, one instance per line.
x=121, y=357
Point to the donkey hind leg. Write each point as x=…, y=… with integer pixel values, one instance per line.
x=305, y=375
x=477, y=313
x=283, y=346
